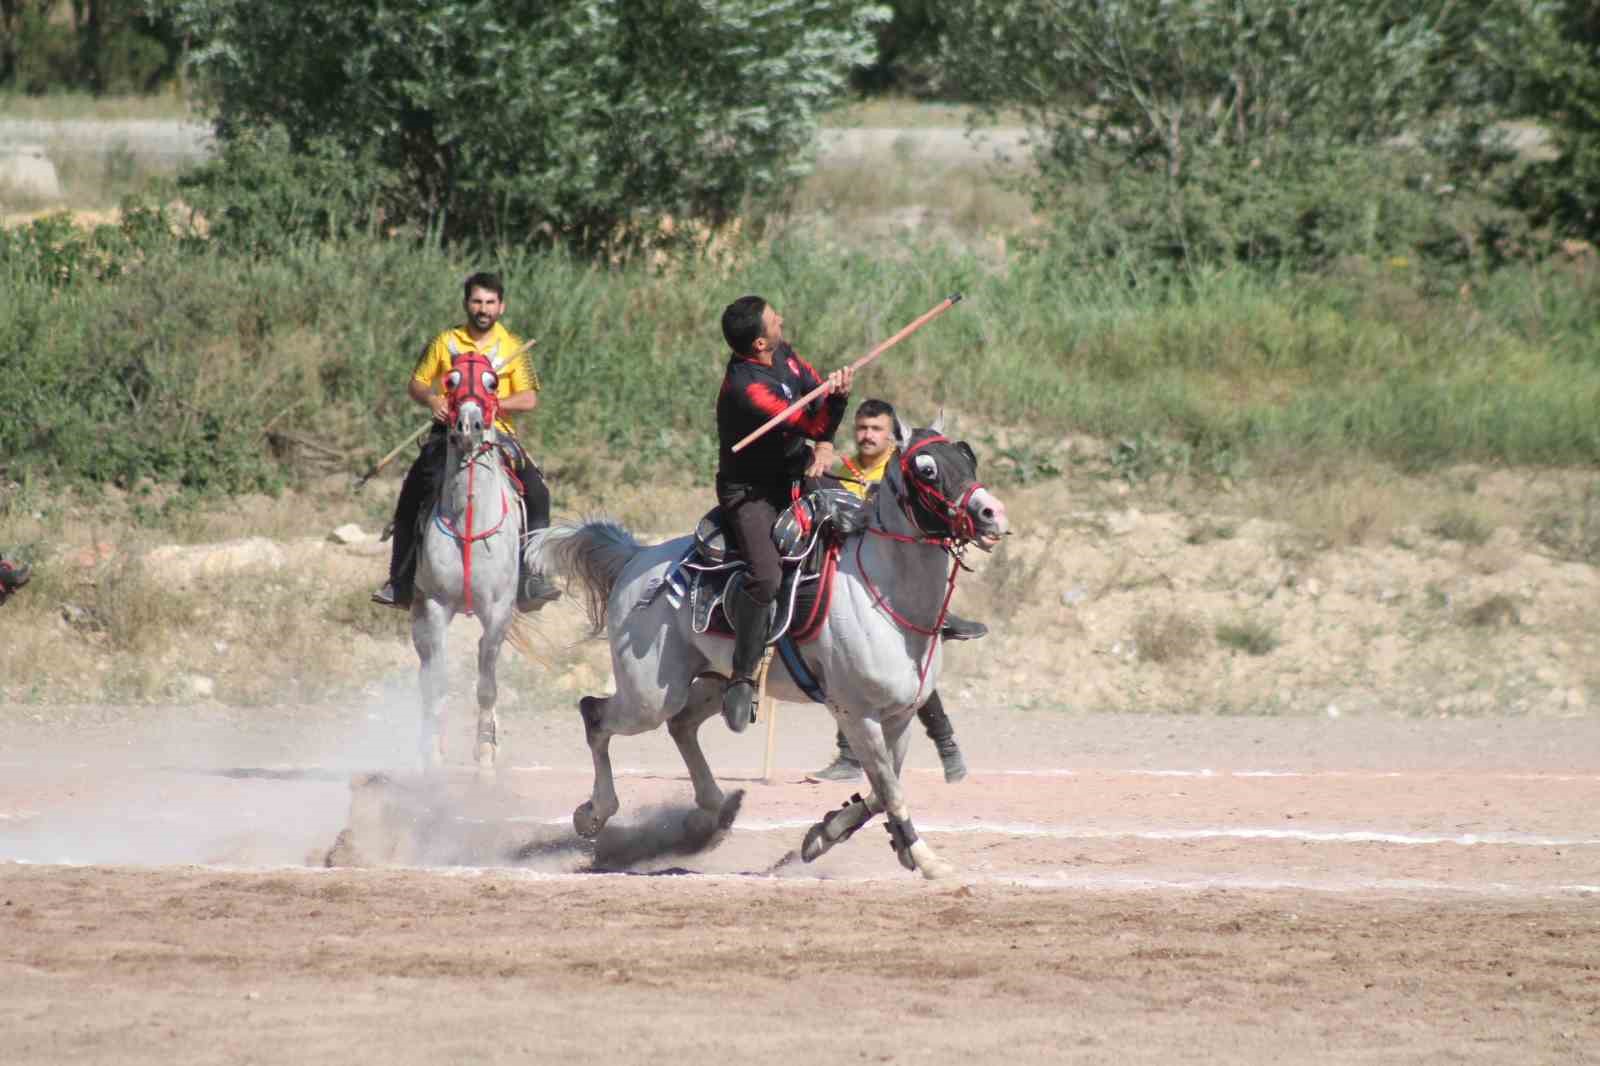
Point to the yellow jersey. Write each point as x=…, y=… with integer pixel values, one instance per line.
x=518, y=376
x=864, y=476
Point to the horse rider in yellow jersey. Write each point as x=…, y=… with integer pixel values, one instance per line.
x=483, y=300
x=877, y=429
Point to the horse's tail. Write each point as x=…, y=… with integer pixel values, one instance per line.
x=591, y=555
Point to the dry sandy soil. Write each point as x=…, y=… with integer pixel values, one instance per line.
x=1133, y=889
x=1374, y=841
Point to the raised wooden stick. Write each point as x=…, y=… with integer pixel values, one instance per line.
x=918, y=323
x=398, y=448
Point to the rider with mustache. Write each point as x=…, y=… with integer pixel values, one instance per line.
x=764, y=375
x=877, y=431
x=483, y=300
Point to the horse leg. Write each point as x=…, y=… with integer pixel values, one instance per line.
x=705, y=700
x=840, y=825
x=429, y=620
x=881, y=750
x=592, y=815
x=489, y=645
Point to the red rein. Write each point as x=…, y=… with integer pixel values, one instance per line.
x=473, y=379
x=962, y=528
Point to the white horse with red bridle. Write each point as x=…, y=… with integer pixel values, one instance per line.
x=467, y=557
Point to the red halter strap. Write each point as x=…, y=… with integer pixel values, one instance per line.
x=956, y=516
x=472, y=377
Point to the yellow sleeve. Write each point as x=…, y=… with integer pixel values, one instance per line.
x=434, y=362
x=520, y=375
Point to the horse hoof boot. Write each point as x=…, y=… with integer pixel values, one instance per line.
x=586, y=823
x=739, y=704
x=816, y=844
x=903, y=838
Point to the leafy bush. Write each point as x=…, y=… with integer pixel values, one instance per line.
x=263, y=195
x=597, y=125
x=1188, y=133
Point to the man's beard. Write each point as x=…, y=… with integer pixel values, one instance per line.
x=482, y=323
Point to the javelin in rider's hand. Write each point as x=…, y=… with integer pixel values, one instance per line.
x=921, y=320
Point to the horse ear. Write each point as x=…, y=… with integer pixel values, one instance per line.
x=902, y=435
x=938, y=423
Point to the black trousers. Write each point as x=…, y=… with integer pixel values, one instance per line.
x=422, y=485
x=748, y=513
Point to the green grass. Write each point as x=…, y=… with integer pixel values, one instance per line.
x=1240, y=373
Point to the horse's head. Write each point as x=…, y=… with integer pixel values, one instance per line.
x=939, y=487
x=471, y=387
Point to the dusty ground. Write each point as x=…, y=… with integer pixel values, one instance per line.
x=1134, y=889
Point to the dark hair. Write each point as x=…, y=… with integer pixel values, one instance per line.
x=741, y=322
x=483, y=279
x=874, y=408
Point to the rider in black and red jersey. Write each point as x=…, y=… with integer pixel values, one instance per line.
x=764, y=376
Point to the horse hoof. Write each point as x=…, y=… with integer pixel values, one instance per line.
x=586, y=823
x=815, y=844
x=926, y=863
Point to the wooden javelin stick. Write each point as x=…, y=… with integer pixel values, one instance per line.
x=918, y=323
x=398, y=448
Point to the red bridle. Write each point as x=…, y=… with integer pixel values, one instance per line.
x=958, y=520
x=472, y=378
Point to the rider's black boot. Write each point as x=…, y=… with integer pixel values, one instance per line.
x=752, y=621
x=402, y=564
x=957, y=628
x=534, y=590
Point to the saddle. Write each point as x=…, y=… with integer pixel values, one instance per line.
x=807, y=534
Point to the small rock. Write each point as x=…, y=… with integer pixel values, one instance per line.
x=1333, y=710
x=349, y=533
x=201, y=686
x=1074, y=596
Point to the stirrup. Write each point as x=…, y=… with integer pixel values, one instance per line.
x=534, y=590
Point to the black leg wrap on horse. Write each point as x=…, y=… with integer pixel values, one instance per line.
x=836, y=826
x=902, y=834
x=842, y=823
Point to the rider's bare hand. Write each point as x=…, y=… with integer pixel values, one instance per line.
x=440, y=407
x=822, y=456
x=839, y=381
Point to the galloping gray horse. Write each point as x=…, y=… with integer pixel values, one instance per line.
x=877, y=654
x=467, y=558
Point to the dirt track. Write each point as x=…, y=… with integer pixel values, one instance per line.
x=1135, y=889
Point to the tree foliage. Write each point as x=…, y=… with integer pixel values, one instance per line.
x=583, y=122
x=1236, y=129
x=1555, y=56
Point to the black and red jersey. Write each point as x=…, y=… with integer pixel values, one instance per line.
x=751, y=394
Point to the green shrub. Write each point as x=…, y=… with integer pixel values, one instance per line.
x=591, y=124
x=1249, y=635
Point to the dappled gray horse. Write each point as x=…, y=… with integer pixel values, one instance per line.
x=467, y=557
x=877, y=654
